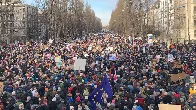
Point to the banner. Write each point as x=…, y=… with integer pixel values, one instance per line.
x=58, y=61
x=112, y=57
x=1, y=87
x=150, y=39
x=80, y=64
x=192, y=79
x=50, y=41
x=110, y=48
x=179, y=76
x=170, y=58
x=169, y=107
x=144, y=49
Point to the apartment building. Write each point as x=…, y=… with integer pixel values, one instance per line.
x=185, y=16
x=18, y=21
x=6, y=19
x=26, y=21
x=164, y=18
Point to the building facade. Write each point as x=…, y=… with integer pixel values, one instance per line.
x=42, y=25
x=185, y=16
x=164, y=18
x=6, y=20
x=176, y=19
x=26, y=22
x=21, y=23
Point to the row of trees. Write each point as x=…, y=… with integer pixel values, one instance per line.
x=68, y=18
x=132, y=17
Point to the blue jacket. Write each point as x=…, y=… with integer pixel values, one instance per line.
x=138, y=108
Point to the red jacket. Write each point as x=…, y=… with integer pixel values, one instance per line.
x=140, y=101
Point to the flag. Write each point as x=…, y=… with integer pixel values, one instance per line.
x=96, y=96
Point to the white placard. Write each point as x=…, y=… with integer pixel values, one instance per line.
x=80, y=64
x=97, y=62
x=89, y=48
x=50, y=41
x=86, y=55
x=144, y=49
x=112, y=57
x=192, y=79
x=170, y=58
x=110, y=49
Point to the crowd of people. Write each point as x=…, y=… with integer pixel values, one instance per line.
x=140, y=74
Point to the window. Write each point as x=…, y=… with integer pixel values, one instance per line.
x=194, y=22
x=194, y=33
x=194, y=11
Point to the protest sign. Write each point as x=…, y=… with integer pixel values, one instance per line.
x=110, y=49
x=112, y=57
x=144, y=49
x=86, y=55
x=58, y=61
x=89, y=48
x=169, y=107
x=99, y=48
x=170, y=58
x=179, y=76
x=192, y=79
x=1, y=87
x=50, y=41
x=80, y=64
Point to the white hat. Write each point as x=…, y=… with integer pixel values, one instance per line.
x=71, y=107
x=14, y=93
x=28, y=99
x=59, y=89
x=136, y=101
x=165, y=93
x=54, y=99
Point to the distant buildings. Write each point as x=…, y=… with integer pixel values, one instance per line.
x=18, y=22
x=163, y=18
x=174, y=20
x=26, y=21
x=185, y=17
